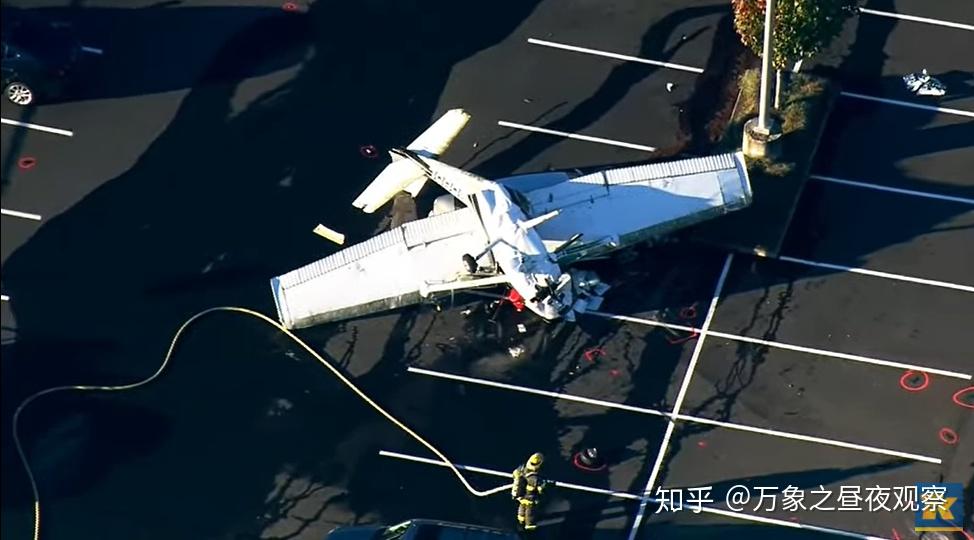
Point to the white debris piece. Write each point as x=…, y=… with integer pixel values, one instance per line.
x=329, y=234
x=516, y=351
x=670, y=86
x=922, y=84
x=521, y=328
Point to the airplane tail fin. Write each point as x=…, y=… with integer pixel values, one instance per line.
x=404, y=174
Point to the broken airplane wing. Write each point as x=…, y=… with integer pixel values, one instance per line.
x=393, y=269
x=615, y=208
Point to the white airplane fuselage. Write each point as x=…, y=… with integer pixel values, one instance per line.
x=520, y=253
x=517, y=249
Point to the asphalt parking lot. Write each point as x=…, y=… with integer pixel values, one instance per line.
x=187, y=185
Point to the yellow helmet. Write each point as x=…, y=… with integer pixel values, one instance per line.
x=535, y=460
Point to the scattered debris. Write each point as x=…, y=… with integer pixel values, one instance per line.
x=329, y=234
x=466, y=312
x=279, y=407
x=589, y=460
x=521, y=328
x=526, y=100
x=593, y=353
x=670, y=86
x=922, y=84
x=516, y=351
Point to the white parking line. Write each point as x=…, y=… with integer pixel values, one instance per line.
x=633, y=497
x=683, y=417
x=876, y=273
x=901, y=191
x=92, y=50
x=678, y=403
x=945, y=110
x=15, y=213
x=617, y=56
x=575, y=136
x=38, y=127
x=938, y=22
x=844, y=356
x=788, y=346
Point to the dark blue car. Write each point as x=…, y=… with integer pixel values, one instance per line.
x=38, y=57
x=420, y=529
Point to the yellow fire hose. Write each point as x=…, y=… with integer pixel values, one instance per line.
x=165, y=363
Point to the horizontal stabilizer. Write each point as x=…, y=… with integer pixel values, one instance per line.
x=404, y=174
x=396, y=177
x=437, y=138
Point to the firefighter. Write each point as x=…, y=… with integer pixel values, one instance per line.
x=527, y=489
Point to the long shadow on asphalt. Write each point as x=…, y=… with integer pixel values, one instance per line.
x=620, y=80
x=905, y=133
x=218, y=194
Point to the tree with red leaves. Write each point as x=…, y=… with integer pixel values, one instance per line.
x=802, y=27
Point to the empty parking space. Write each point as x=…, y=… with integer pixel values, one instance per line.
x=891, y=146
x=892, y=44
x=493, y=427
x=680, y=32
x=565, y=95
x=848, y=313
x=721, y=459
x=930, y=13
x=807, y=394
x=895, y=233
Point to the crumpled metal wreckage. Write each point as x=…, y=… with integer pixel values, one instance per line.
x=922, y=84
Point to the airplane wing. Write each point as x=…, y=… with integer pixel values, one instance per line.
x=393, y=269
x=405, y=174
x=618, y=207
x=437, y=138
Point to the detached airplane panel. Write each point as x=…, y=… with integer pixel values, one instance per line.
x=384, y=272
x=652, y=200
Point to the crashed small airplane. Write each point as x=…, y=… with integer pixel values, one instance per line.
x=523, y=231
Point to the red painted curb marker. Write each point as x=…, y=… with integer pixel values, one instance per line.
x=26, y=163
x=906, y=385
x=948, y=436
x=369, y=151
x=289, y=6
x=960, y=401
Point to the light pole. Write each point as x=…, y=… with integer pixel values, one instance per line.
x=761, y=134
x=766, y=66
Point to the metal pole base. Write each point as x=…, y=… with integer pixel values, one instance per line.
x=760, y=143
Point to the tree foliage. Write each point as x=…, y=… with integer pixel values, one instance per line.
x=802, y=27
